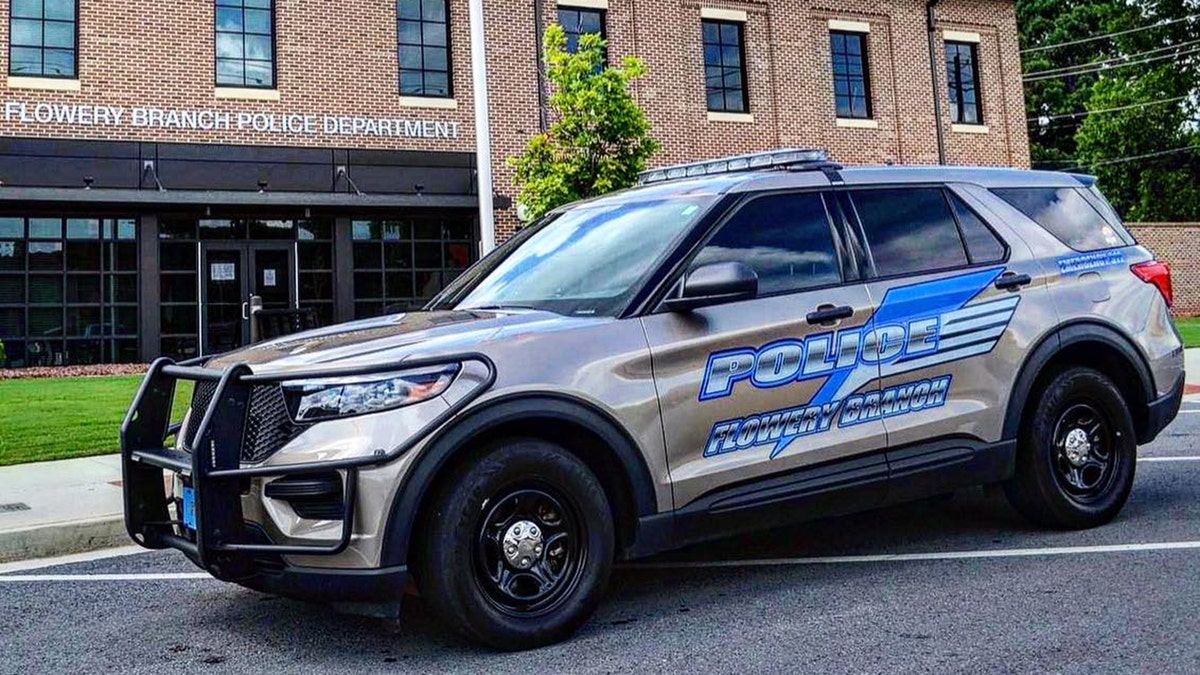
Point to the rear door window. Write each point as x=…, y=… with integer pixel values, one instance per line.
x=909, y=230
x=786, y=239
x=983, y=246
x=1065, y=213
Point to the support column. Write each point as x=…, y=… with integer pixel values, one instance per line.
x=149, y=289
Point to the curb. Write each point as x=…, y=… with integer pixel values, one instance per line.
x=44, y=541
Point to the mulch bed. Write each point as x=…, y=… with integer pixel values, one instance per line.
x=73, y=371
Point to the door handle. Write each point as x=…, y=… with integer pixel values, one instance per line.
x=825, y=314
x=1010, y=281
x=245, y=311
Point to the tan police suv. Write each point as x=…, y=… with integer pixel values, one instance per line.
x=732, y=345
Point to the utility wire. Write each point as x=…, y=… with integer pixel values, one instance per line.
x=1133, y=158
x=1113, y=67
x=1115, y=59
x=1086, y=113
x=1106, y=36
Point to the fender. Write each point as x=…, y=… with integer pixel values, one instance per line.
x=1090, y=330
x=447, y=442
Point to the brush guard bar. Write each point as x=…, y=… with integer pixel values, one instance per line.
x=222, y=538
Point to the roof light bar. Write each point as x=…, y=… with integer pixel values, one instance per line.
x=772, y=159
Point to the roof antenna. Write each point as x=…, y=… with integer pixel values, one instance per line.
x=342, y=173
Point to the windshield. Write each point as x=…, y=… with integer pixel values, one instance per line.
x=587, y=260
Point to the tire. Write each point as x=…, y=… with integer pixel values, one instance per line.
x=1076, y=454
x=485, y=572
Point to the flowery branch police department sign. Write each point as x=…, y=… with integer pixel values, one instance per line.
x=190, y=119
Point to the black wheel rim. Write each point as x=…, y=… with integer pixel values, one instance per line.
x=1084, y=452
x=530, y=549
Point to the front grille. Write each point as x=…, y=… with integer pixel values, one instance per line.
x=202, y=396
x=268, y=427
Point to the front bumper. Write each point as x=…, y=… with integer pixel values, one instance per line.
x=224, y=542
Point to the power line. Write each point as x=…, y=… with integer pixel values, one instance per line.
x=1106, y=36
x=1113, y=67
x=1085, y=113
x=1133, y=158
x=1114, y=59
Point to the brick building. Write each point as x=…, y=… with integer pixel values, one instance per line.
x=162, y=162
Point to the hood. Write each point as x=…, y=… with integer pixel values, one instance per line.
x=392, y=338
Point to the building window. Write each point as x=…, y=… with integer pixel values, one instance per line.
x=43, y=38
x=424, y=48
x=401, y=264
x=579, y=22
x=725, y=66
x=851, y=78
x=246, y=43
x=68, y=291
x=962, y=71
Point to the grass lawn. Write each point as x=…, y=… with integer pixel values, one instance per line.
x=1190, y=330
x=60, y=418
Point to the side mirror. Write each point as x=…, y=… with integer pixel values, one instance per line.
x=714, y=284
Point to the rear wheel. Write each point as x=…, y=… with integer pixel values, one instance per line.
x=518, y=547
x=1077, y=453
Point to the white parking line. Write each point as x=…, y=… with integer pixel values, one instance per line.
x=914, y=557
x=1168, y=459
x=9, y=578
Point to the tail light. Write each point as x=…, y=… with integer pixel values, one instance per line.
x=1157, y=273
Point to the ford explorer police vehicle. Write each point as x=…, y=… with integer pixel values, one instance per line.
x=732, y=345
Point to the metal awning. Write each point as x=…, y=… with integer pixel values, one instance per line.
x=231, y=198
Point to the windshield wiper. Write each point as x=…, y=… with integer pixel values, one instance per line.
x=494, y=307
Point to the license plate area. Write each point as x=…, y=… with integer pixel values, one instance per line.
x=189, y=508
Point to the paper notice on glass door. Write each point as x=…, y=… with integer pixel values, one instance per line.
x=268, y=277
x=222, y=271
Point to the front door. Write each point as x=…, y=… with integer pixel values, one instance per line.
x=763, y=387
x=232, y=275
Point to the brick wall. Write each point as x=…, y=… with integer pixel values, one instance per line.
x=340, y=59
x=1178, y=244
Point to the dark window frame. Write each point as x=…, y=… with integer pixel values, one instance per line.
x=870, y=271
x=866, y=74
x=448, y=46
x=408, y=236
x=603, y=15
x=106, y=303
x=954, y=84
x=74, y=75
x=742, y=71
x=217, y=4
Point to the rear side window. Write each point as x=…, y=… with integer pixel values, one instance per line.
x=1065, y=213
x=785, y=239
x=983, y=246
x=909, y=230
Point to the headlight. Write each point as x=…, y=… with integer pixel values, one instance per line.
x=326, y=398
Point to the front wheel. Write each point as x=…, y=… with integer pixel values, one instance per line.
x=518, y=547
x=1077, y=453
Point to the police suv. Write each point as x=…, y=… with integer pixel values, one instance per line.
x=732, y=345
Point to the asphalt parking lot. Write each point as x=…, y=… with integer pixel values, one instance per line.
x=939, y=586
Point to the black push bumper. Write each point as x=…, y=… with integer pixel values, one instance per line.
x=1162, y=411
x=222, y=542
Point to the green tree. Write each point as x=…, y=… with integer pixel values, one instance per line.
x=1125, y=123
x=599, y=138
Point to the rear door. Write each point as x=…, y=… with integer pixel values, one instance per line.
x=756, y=388
x=959, y=305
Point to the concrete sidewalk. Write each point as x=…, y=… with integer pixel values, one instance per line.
x=55, y=508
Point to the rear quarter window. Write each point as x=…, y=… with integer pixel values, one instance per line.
x=1068, y=215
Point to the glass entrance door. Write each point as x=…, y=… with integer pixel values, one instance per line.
x=232, y=274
